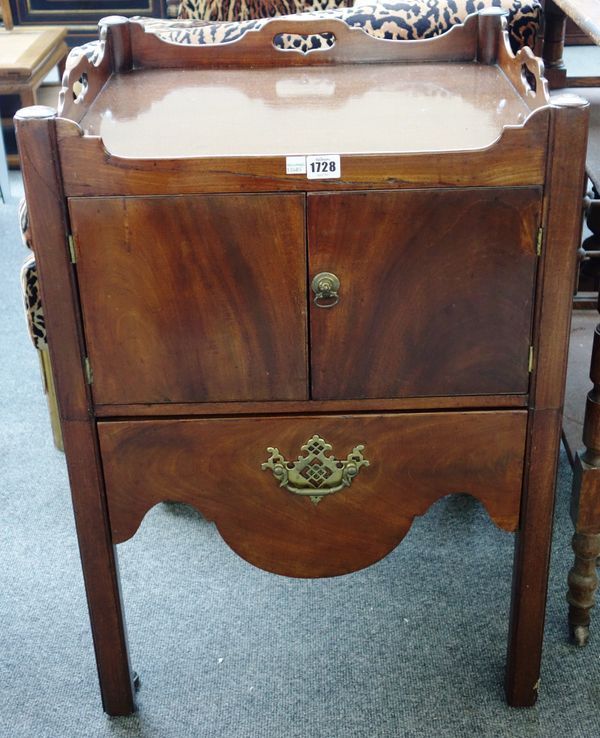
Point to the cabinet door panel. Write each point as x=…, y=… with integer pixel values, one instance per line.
x=436, y=292
x=196, y=298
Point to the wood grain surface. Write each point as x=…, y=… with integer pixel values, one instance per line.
x=436, y=292
x=215, y=465
x=562, y=215
x=397, y=404
x=47, y=212
x=193, y=298
x=516, y=159
x=256, y=48
x=386, y=108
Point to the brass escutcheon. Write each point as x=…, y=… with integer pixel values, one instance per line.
x=315, y=474
x=326, y=285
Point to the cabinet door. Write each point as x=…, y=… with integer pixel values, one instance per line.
x=436, y=292
x=197, y=298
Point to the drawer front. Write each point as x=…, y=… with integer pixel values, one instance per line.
x=436, y=292
x=313, y=496
x=191, y=299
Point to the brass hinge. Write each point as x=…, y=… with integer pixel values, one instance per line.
x=530, y=363
x=72, y=251
x=89, y=376
x=540, y=238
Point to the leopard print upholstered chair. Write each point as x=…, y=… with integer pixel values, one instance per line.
x=216, y=21
x=243, y=10
x=37, y=326
x=203, y=22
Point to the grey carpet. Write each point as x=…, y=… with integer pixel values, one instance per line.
x=413, y=646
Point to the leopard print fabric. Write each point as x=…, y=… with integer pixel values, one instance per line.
x=402, y=20
x=241, y=10
x=30, y=286
x=33, y=303
x=24, y=223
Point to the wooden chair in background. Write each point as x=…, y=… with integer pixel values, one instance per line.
x=27, y=55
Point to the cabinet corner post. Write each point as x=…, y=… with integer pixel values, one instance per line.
x=117, y=32
x=36, y=136
x=562, y=218
x=489, y=34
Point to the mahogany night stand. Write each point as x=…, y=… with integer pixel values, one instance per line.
x=231, y=241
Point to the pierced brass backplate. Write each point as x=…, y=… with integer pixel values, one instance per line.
x=315, y=474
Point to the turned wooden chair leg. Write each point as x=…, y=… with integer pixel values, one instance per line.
x=583, y=582
x=555, y=22
x=585, y=512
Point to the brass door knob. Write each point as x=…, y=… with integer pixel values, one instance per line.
x=326, y=286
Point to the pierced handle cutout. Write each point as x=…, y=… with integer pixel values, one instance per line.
x=529, y=78
x=80, y=87
x=304, y=43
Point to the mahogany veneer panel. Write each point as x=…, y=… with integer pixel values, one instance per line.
x=386, y=108
x=215, y=465
x=517, y=159
x=191, y=298
x=436, y=291
x=397, y=404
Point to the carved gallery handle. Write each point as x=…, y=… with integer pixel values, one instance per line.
x=326, y=285
x=315, y=474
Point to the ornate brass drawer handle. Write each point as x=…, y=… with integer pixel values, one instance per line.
x=315, y=474
x=326, y=285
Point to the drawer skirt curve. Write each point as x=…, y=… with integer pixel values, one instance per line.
x=221, y=467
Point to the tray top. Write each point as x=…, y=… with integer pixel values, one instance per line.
x=347, y=109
